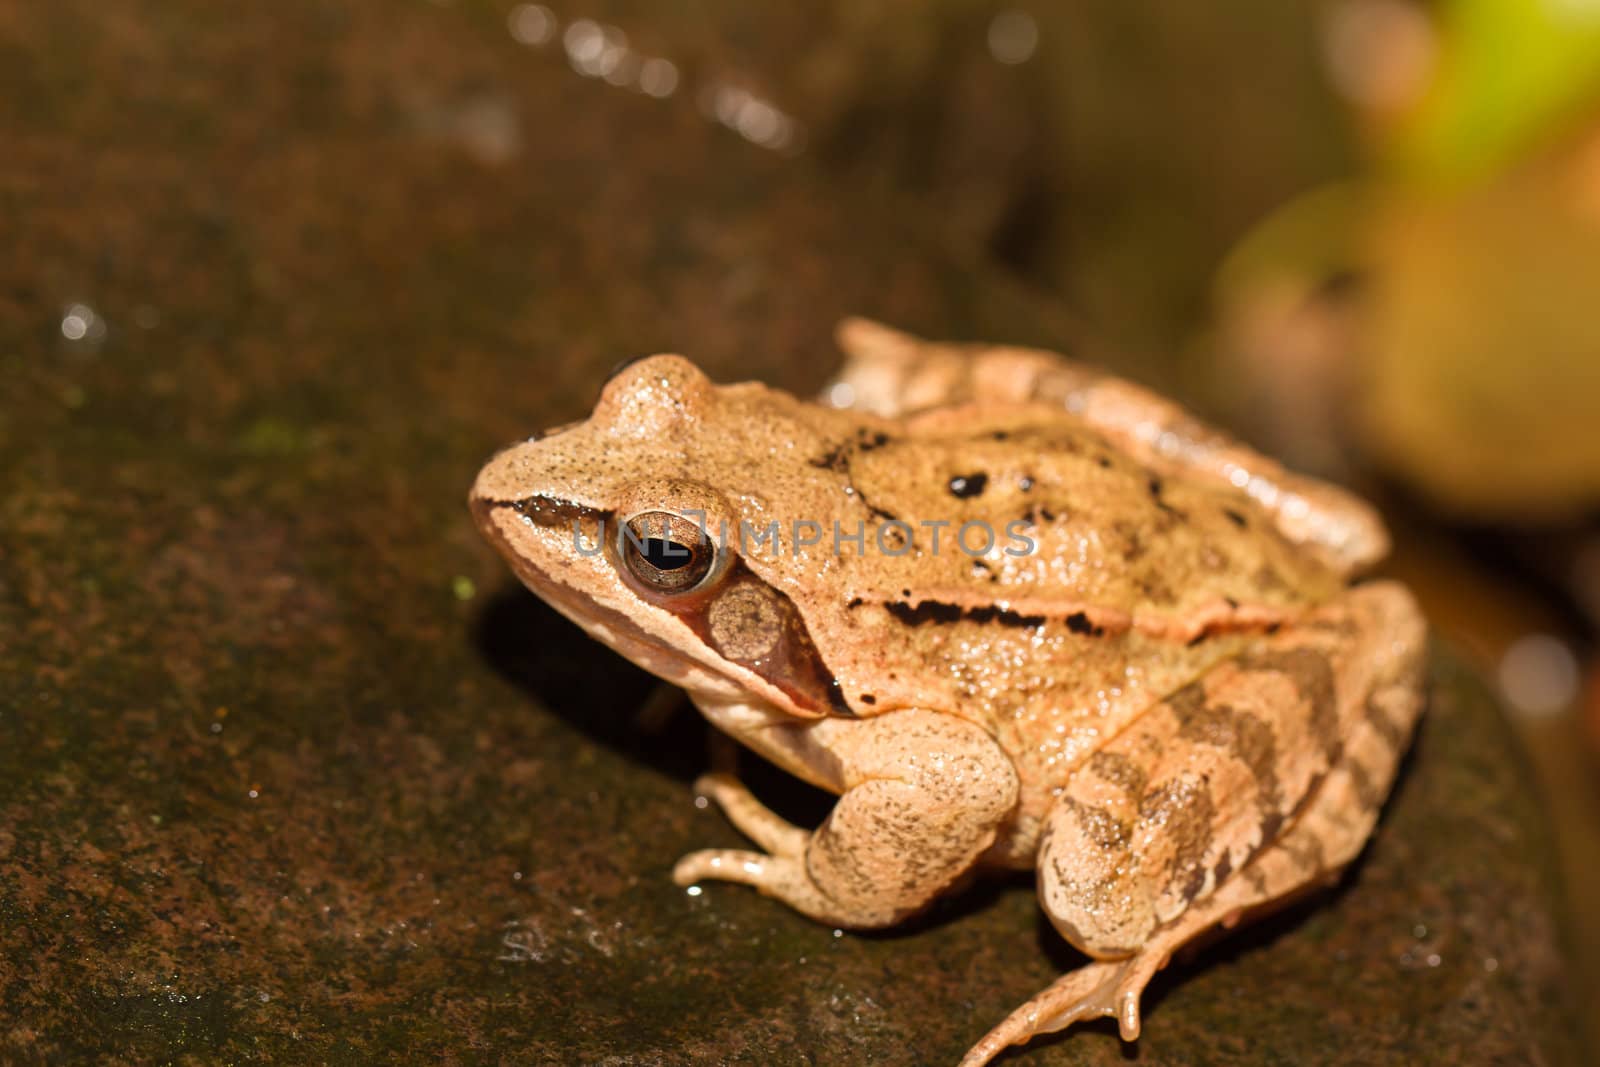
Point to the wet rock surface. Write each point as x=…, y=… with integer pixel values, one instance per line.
x=291, y=772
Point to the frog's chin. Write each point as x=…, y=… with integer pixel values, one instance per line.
x=638, y=647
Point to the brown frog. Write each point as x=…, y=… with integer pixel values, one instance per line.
x=1015, y=612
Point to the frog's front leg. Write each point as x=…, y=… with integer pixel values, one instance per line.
x=925, y=795
x=1259, y=780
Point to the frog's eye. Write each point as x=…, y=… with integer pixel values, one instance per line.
x=665, y=552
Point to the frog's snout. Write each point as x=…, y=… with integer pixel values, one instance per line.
x=500, y=481
x=481, y=507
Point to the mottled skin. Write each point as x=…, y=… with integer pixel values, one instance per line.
x=1167, y=698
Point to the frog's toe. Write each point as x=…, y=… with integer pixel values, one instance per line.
x=721, y=865
x=1107, y=987
x=780, y=877
x=753, y=818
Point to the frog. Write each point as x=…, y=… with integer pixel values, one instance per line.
x=1015, y=612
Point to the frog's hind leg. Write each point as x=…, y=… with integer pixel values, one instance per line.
x=892, y=373
x=1383, y=632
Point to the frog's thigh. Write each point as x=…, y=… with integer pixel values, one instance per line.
x=1208, y=778
x=1326, y=835
x=925, y=794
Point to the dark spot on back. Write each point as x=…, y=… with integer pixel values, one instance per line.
x=1079, y=623
x=966, y=486
x=1133, y=545
x=832, y=460
x=935, y=611
x=1155, y=494
x=1236, y=518
x=1004, y=617
x=871, y=441
x=925, y=612
x=868, y=698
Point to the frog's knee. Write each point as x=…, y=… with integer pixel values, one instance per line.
x=1389, y=613
x=955, y=768
x=980, y=778
x=1088, y=882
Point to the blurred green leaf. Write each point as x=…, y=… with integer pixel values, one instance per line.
x=1510, y=71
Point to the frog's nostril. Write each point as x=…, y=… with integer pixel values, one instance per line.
x=540, y=435
x=483, y=509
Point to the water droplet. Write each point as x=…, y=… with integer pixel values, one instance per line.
x=1013, y=35
x=1539, y=675
x=658, y=77
x=82, y=325
x=531, y=24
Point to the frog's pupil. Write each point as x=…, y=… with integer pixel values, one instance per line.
x=666, y=555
